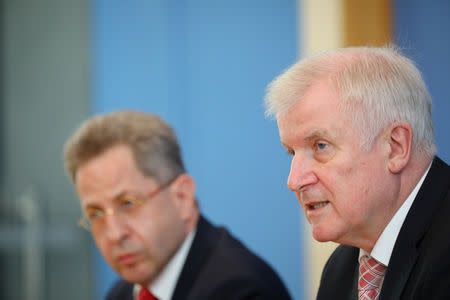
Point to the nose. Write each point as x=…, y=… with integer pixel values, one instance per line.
x=301, y=174
x=115, y=227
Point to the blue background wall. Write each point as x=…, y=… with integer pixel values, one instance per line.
x=203, y=66
x=422, y=28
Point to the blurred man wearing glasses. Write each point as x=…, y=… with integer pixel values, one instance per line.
x=139, y=204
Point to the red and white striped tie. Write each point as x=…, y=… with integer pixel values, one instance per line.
x=371, y=275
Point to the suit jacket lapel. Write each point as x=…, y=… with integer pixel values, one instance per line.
x=398, y=273
x=340, y=275
x=198, y=255
x=417, y=222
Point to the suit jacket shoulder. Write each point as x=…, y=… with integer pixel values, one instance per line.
x=339, y=276
x=219, y=266
x=419, y=267
x=121, y=290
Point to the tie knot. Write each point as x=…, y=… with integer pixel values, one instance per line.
x=145, y=294
x=371, y=275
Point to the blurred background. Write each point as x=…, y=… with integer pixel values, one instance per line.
x=203, y=65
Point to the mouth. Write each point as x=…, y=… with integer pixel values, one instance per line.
x=127, y=259
x=317, y=205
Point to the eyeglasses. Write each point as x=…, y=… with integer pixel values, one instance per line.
x=94, y=218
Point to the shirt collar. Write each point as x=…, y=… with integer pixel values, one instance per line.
x=385, y=244
x=164, y=284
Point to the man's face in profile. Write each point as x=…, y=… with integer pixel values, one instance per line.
x=136, y=240
x=341, y=186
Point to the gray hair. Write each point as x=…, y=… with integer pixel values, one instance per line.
x=378, y=86
x=152, y=141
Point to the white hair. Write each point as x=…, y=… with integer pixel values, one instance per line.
x=378, y=86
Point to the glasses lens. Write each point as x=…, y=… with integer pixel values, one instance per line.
x=84, y=223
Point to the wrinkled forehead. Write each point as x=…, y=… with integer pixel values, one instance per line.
x=317, y=115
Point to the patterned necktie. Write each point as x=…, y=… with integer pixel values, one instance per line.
x=371, y=275
x=144, y=294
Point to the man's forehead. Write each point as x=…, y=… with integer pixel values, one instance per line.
x=306, y=134
x=312, y=121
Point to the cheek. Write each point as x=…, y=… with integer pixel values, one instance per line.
x=106, y=249
x=144, y=233
x=349, y=188
x=360, y=191
x=356, y=176
x=152, y=233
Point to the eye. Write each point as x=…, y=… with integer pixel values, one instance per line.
x=323, y=151
x=95, y=213
x=290, y=151
x=321, y=146
x=127, y=202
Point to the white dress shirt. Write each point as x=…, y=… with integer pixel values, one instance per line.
x=382, y=250
x=164, y=285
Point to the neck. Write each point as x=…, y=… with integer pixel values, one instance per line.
x=412, y=174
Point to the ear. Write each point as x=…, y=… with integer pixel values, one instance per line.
x=400, y=141
x=183, y=193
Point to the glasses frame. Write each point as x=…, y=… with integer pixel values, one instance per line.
x=85, y=223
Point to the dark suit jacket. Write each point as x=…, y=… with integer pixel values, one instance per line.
x=218, y=266
x=419, y=267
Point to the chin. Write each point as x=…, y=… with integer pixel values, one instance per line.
x=321, y=239
x=137, y=275
x=321, y=235
x=136, y=278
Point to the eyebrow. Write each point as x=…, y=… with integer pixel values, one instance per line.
x=114, y=199
x=90, y=206
x=319, y=133
x=315, y=134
